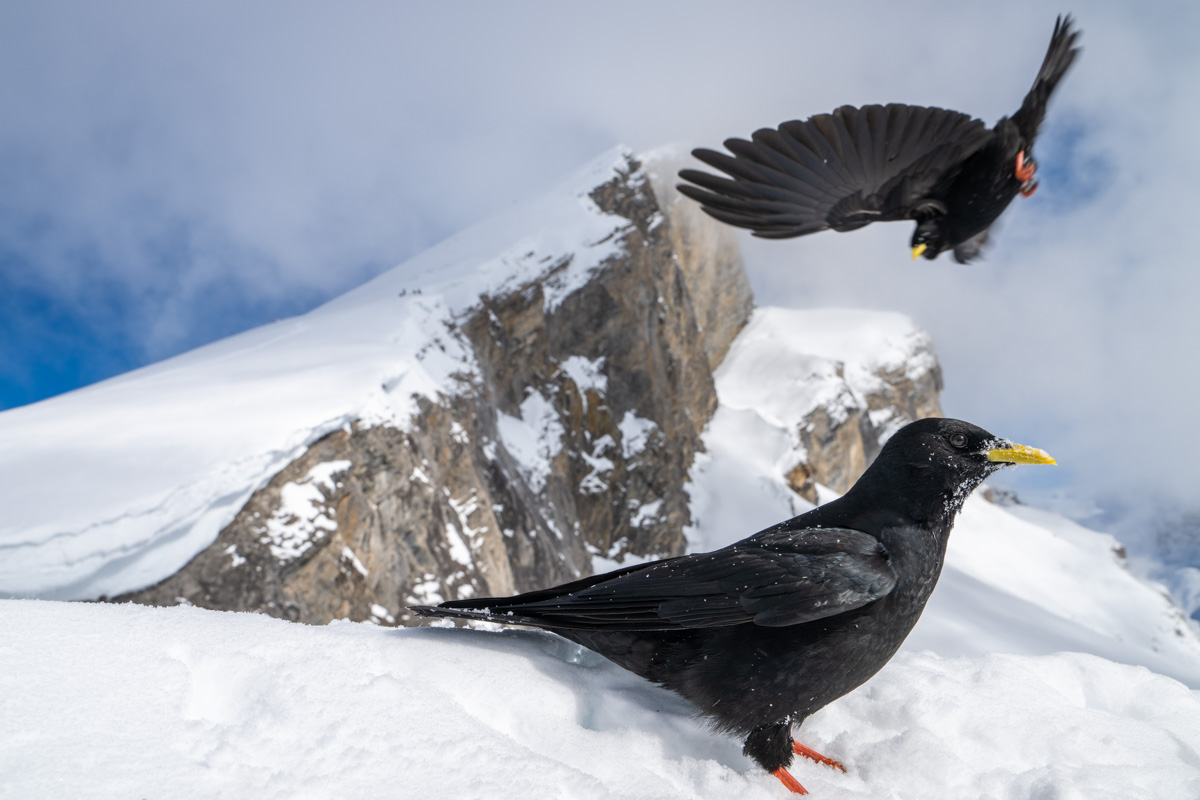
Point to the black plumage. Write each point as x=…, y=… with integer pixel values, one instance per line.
x=943, y=169
x=764, y=632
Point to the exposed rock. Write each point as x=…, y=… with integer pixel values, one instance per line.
x=841, y=442
x=839, y=381
x=836, y=447
x=999, y=495
x=710, y=258
x=570, y=437
x=573, y=437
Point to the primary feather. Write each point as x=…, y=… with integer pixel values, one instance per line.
x=945, y=170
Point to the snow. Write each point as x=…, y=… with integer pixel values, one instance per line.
x=533, y=439
x=116, y=486
x=783, y=366
x=600, y=467
x=821, y=358
x=300, y=521
x=645, y=513
x=635, y=433
x=464, y=508
x=865, y=341
x=381, y=614
x=359, y=567
x=456, y=547
x=234, y=558
x=425, y=592
x=586, y=373
x=109, y=701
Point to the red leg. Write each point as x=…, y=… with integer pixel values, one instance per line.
x=787, y=780
x=1024, y=173
x=801, y=750
x=1025, y=169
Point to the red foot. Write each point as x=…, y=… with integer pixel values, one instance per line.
x=1025, y=169
x=1024, y=173
x=787, y=780
x=801, y=750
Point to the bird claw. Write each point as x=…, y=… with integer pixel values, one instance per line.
x=1024, y=173
x=801, y=750
x=787, y=780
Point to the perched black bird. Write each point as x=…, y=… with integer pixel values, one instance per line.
x=856, y=166
x=764, y=632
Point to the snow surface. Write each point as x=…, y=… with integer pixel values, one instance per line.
x=106, y=701
x=116, y=486
x=786, y=363
x=533, y=439
x=635, y=434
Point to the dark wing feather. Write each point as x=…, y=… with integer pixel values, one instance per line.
x=1059, y=56
x=842, y=170
x=773, y=579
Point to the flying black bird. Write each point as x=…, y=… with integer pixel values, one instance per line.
x=764, y=632
x=943, y=169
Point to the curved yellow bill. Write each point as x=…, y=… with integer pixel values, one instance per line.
x=918, y=250
x=1019, y=454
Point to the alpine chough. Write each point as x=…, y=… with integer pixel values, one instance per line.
x=760, y=634
x=943, y=169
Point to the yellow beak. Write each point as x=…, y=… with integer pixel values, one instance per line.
x=1019, y=454
x=918, y=250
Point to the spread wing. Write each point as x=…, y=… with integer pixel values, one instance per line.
x=842, y=170
x=1059, y=56
x=773, y=579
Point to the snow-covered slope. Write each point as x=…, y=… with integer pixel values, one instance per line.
x=126, y=701
x=117, y=485
x=788, y=362
x=107, y=701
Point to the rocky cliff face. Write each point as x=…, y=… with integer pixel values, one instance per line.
x=570, y=437
x=839, y=440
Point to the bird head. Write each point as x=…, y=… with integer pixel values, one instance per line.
x=936, y=463
x=929, y=238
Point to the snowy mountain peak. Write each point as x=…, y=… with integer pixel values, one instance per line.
x=117, y=485
x=547, y=371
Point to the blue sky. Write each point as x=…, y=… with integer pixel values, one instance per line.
x=176, y=173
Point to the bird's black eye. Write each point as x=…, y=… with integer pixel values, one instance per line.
x=958, y=440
